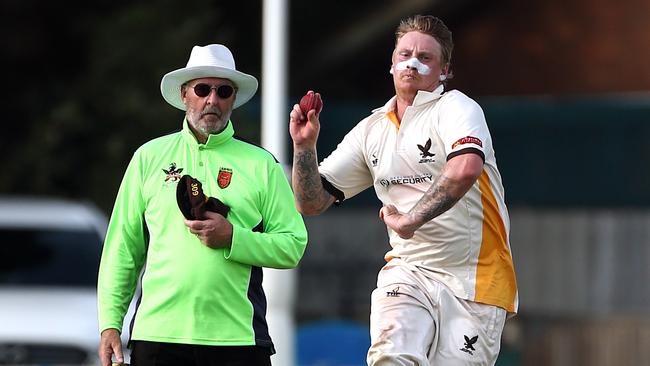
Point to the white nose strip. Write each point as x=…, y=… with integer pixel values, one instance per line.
x=413, y=63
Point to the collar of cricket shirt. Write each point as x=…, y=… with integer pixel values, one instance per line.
x=424, y=96
x=214, y=139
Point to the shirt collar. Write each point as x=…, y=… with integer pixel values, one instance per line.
x=424, y=96
x=214, y=139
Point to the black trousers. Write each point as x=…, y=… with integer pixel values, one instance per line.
x=172, y=354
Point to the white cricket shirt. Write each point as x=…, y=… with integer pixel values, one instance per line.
x=467, y=247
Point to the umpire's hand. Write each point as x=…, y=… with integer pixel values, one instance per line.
x=109, y=344
x=215, y=231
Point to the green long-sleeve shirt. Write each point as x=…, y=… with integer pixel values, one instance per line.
x=191, y=293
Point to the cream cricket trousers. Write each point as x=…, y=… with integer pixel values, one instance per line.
x=417, y=321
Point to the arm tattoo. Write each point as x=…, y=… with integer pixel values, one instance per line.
x=435, y=201
x=308, y=186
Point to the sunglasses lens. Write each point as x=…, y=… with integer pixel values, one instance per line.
x=225, y=91
x=202, y=90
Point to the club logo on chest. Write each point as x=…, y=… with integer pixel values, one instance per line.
x=425, y=154
x=224, y=177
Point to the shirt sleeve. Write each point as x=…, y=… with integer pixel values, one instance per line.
x=282, y=239
x=346, y=168
x=124, y=250
x=462, y=126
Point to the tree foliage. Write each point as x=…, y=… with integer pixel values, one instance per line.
x=84, y=86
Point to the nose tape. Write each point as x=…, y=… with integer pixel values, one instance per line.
x=412, y=63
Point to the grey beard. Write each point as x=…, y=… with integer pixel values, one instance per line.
x=206, y=128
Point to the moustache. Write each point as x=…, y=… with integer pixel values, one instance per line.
x=215, y=111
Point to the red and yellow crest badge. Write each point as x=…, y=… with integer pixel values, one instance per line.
x=224, y=177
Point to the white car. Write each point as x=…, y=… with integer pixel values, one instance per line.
x=49, y=258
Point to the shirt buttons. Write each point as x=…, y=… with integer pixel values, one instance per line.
x=200, y=163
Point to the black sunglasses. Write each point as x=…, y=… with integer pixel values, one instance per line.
x=223, y=91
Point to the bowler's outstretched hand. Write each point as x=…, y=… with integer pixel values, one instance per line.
x=304, y=131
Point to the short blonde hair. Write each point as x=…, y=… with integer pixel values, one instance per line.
x=432, y=26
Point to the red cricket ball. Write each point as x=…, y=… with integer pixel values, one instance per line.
x=310, y=101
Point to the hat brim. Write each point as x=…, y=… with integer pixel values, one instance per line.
x=170, y=86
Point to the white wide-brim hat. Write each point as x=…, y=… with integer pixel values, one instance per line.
x=211, y=61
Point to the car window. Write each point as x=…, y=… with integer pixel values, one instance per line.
x=49, y=257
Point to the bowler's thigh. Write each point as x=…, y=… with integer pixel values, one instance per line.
x=470, y=332
x=402, y=328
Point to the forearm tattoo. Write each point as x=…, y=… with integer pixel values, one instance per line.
x=307, y=182
x=436, y=200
